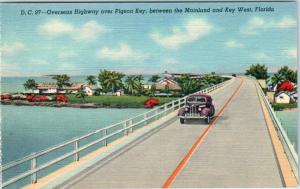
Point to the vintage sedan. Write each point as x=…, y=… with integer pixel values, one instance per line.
x=197, y=106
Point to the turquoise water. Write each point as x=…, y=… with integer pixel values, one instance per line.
x=289, y=121
x=31, y=129
x=27, y=129
x=15, y=84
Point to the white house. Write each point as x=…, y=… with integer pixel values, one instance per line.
x=282, y=97
x=88, y=90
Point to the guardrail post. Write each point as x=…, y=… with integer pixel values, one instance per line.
x=33, y=167
x=124, y=126
x=156, y=114
x=105, y=140
x=76, y=155
x=165, y=110
x=145, y=117
x=129, y=125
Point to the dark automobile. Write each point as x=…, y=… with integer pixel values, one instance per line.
x=198, y=106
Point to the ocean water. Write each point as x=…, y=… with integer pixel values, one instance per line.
x=289, y=121
x=28, y=129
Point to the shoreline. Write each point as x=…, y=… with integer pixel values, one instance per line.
x=60, y=105
x=289, y=110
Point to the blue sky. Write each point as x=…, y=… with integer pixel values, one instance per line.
x=150, y=43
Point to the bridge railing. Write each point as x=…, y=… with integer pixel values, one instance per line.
x=90, y=142
x=285, y=141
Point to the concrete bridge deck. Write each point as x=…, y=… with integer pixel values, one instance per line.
x=234, y=151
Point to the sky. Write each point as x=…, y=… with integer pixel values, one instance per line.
x=36, y=45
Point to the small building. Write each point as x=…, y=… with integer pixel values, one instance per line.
x=162, y=84
x=119, y=92
x=46, y=88
x=52, y=88
x=148, y=85
x=282, y=97
x=89, y=90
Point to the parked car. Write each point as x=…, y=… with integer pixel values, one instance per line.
x=198, y=106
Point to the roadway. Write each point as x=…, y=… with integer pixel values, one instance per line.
x=234, y=151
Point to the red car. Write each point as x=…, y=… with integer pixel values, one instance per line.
x=151, y=102
x=198, y=106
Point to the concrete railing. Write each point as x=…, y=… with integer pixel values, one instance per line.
x=102, y=136
x=285, y=141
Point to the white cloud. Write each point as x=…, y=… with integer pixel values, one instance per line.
x=56, y=28
x=261, y=56
x=12, y=49
x=123, y=52
x=193, y=30
x=286, y=22
x=86, y=32
x=234, y=44
x=258, y=23
x=291, y=53
x=89, y=31
x=253, y=25
x=169, y=61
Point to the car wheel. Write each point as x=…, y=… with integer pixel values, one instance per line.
x=182, y=120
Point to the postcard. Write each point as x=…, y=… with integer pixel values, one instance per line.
x=149, y=94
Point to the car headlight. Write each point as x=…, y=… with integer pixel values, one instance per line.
x=186, y=109
x=199, y=108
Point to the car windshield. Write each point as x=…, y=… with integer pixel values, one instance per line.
x=196, y=99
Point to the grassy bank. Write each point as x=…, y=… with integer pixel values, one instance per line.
x=280, y=106
x=117, y=101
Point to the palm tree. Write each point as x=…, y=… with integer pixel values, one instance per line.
x=154, y=78
x=30, y=84
x=113, y=81
x=276, y=78
x=132, y=84
x=91, y=80
x=81, y=94
x=288, y=74
x=62, y=80
x=110, y=80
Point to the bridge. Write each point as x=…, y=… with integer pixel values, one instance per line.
x=243, y=146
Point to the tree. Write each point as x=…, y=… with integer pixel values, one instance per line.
x=154, y=78
x=62, y=80
x=81, y=94
x=110, y=80
x=91, y=80
x=276, y=79
x=288, y=74
x=132, y=84
x=258, y=71
x=30, y=84
x=189, y=85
